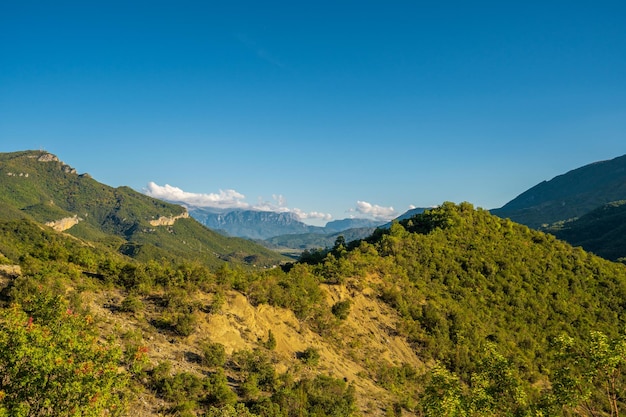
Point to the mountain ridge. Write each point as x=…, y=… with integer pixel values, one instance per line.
x=265, y=224
x=569, y=195
x=38, y=185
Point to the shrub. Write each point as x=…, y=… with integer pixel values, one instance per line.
x=185, y=324
x=53, y=363
x=131, y=304
x=341, y=309
x=213, y=354
x=270, y=344
x=310, y=356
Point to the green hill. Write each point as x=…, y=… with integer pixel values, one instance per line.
x=38, y=186
x=452, y=312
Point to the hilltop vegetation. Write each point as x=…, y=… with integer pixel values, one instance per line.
x=451, y=312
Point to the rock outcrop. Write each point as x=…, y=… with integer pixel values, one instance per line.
x=10, y=271
x=64, y=224
x=48, y=157
x=168, y=220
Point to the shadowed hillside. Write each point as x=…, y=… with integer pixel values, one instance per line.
x=601, y=231
x=570, y=195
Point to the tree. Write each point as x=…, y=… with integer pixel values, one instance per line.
x=52, y=363
x=443, y=395
x=341, y=309
x=340, y=244
x=583, y=371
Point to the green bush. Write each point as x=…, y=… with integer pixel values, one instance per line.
x=185, y=324
x=310, y=356
x=213, y=354
x=270, y=344
x=131, y=304
x=53, y=362
x=341, y=309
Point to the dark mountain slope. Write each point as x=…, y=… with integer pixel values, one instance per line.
x=39, y=186
x=570, y=195
x=601, y=231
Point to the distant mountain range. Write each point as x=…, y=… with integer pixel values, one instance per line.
x=251, y=224
x=285, y=229
x=261, y=225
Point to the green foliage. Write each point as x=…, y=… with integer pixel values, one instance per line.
x=341, y=309
x=270, y=343
x=312, y=256
x=187, y=390
x=321, y=396
x=240, y=410
x=255, y=364
x=581, y=368
x=185, y=324
x=132, y=304
x=182, y=387
x=443, y=395
x=403, y=381
x=52, y=363
x=213, y=354
x=310, y=356
x=297, y=290
x=494, y=389
x=219, y=393
x=587, y=381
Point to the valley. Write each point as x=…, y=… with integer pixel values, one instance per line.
x=446, y=311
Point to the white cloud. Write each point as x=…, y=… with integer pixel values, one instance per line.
x=223, y=199
x=228, y=199
x=375, y=211
x=312, y=215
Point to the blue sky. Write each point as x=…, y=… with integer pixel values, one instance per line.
x=330, y=109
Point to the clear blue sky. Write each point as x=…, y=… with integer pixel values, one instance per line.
x=341, y=108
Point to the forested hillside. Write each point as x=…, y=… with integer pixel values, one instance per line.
x=451, y=312
x=38, y=186
x=601, y=231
